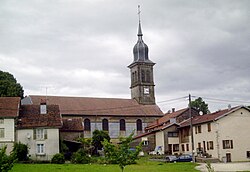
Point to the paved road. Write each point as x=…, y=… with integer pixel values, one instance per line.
x=229, y=167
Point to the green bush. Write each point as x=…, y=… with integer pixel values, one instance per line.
x=21, y=151
x=6, y=162
x=80, y=157
x=58, y=159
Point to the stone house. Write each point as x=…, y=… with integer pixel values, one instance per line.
x=223, y=134
x=164, y=131
x=38, y=128
x=9, y=111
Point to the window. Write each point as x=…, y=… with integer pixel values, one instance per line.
x=209, y=127
x=142, y=75
x=40, y=134
x=197, y=129
x=87, y=126
x=148, y=76
x=173, y=134
x=1, y=132
x=145, y=142
x=248, y=154
x=1, y=121
x=187, y=147
x=40, y=149
x=138, y=125
x=122, y=125
x=210, y=145
x=105, y=125
x=183, y=148
x=175, y=147
x=227, y=144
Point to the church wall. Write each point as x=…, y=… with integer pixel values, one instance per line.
x=114, y=124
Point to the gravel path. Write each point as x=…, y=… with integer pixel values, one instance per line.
x=229, y=167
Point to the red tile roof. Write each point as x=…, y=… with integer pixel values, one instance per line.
x=9, y=106
x=100, y=106
x=74, y=124
x=166, y=118
x=30, y=117
x=208, y=117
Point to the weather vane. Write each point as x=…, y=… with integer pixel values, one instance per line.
x=139, y=13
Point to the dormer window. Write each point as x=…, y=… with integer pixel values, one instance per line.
x=43, y=107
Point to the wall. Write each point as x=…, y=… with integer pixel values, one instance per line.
x=235, y=127
x=25, y=136
x=9, y=134
x=114, y=125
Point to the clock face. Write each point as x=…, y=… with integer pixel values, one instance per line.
x=146, y=90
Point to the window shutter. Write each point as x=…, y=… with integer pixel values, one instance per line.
x=223, y=142
x=45, y=134
x=34, y=134
x=231, y=144
x=208, y=146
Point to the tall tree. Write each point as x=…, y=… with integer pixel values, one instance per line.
x=9, y=86
x=200, y=105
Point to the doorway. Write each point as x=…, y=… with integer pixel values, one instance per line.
x=228, y=156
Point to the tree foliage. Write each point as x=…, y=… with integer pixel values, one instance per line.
x=97, y=138
x=80, y=157
x=9, y=86
x=58, y=159
x=121, y=154
x=200, y=105
x=21, y=151
x=6, y=162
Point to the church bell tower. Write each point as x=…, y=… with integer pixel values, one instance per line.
x=141, y=70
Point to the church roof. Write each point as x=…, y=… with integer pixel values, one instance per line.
x=9, y=106
x=99, y=106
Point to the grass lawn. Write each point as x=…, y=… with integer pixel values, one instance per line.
x=143, y=165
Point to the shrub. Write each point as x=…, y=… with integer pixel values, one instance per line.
x=21, y=151
x=6, y=162
x=80, y=157
x=58, y=159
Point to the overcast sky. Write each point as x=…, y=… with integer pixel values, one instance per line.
x=83, y=47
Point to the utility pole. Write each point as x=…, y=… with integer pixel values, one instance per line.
x=191, y=127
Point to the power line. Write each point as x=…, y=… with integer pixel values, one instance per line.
x=173, y=99
x=223, y=100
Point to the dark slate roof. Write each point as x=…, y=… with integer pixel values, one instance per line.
x=9, y=106
x=71, y=125
x=100, y=106
x=140, y=49
x=30, y=117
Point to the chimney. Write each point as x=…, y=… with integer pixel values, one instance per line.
x=43, y=107
x=173, y=110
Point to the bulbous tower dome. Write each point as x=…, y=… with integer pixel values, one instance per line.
x=140, y=49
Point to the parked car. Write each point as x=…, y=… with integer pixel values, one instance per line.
x=183, y=158
x=158, y=151
x=170, y=158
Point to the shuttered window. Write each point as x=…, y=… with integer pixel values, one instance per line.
x=227, y=144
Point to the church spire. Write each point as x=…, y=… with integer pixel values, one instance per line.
x=140, y=50
x=139, y=17
x=141, y=69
